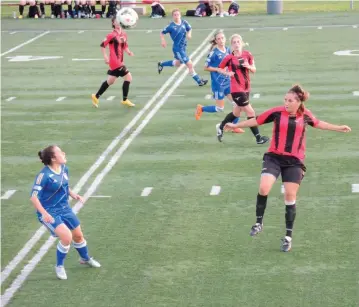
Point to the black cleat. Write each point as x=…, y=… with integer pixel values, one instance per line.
x=262, y=140
x=219, y=132
x=203, y=82
x=256, y=229
x=159, y=67
x=286, y=244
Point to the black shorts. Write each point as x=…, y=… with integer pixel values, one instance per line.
x=119, y=72
x=241, y=98
x=291, y=168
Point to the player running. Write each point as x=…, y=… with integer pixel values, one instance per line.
x=49, y=195
x=117, y=42
x=220, y=82
x=286, y=154
x=239, y=64
x=180, y=31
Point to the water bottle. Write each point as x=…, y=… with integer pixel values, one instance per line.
x=14, y=14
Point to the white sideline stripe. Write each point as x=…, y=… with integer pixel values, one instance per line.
x=25, y=43
x=355, y=188
x=111, y=98
x=87, y=59
x=320, y=28
x=10, y=98
x=60, y=98
x=356, y=93
x=355, y=26
x=146, y=191
x=40, y=232
x=282, y=189
x=11, y=33
x=82, y=31
x=251, y=29
x=256, y=95
x=146, y=96
x=8, y=194
x=285, y=29
x=100, y=196
x=215, y=190
x=25, y=272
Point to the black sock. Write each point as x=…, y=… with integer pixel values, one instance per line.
x=261, y=207
x=42, y=8
x=93, y=9
x=52, y=8
x=255, y=130
x=125, y=89
x=290, y=213
x=21, y=9
x=103, y=88
x=228, y=119
x=103, y=9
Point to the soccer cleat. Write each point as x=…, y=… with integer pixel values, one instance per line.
x=128, y=103
x=60, y=272
x=159, y=67
x=256, y=229
x=91, y=262
x=219, y=132
x=95, y=100
x=262, y=140
x=199, y=112
x=203, y=82
x=286, y=244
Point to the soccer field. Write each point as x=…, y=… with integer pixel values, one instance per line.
x=179, y=245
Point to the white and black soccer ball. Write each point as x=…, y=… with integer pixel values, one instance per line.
x=127, y=17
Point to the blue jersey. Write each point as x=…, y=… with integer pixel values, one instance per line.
x=52, y=189
x=178, y=34
x=213, y=60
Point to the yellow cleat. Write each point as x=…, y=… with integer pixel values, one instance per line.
x=199, y=112
x=20, y=17
x=128, y=103
x=95, y=101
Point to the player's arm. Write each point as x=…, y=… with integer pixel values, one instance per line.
x=126, y=48
x=189, y=34
x=76, y=196
x=327, y=126
x=250, y=65
x=207, y=66
x=104, y=44
x=37, y=189
x=245, y=124
x=162, y=36
x=222, y=67
x=188, y=29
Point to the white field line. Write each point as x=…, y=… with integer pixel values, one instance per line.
x=25, y=43
x=11, y=98
x=355, y=188
x=216, y=189
x=25, y=272
x=111, y=98
x=8, y=194
x=61, y=98
x=40, y=232
x=146, y=191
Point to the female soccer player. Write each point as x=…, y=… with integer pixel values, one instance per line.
x=180, y=31
x=239, y=64
x=220, y=82
x=286, y=154
x=49, y=195
x=117, y=41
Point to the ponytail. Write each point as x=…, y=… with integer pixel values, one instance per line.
x=302, y=96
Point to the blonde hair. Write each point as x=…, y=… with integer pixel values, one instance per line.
x=240, y=38
x=213, y=40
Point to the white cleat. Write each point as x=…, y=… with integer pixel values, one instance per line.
x=91, y=262
x=60, y=272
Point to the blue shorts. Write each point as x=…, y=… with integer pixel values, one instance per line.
x=67, y=217
x=180, y=55
x=219, y=92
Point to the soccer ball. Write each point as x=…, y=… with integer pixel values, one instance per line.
x=127, y=17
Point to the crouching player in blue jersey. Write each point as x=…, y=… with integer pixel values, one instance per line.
x=49, y=196
x=220, y=83
x=180, y=31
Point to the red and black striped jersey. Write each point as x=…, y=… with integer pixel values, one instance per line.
x=288, y=131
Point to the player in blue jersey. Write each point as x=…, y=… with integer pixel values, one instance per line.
x=220, y=82
x=50, y=194
x=180, y=31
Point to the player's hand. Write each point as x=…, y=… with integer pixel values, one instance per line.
x=230, y=126
x=229, y=73
x=107, y=60
x=79, y=198
x=246, y=65
x=163, y=44
x=47, y=218
x=189, y=36
x=344, y=129
x=130, y=53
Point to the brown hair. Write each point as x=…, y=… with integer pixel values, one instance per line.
x=175, y=10
x=213, y=40
x=302, y=96
x=46, y=154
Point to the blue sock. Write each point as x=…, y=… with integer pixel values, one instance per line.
x=196, y=78
x=82, y=250
x=209, y=109
x=167, y=63
x=236, y=120
x=61, y=254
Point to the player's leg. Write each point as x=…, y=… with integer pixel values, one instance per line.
x=227, y=92
x=270, y=172
x=182, y=56
x=127, y=78
x=230, y=117
x=291, y=177
x=69, y=8
x=103, y=8
x=22, y=5
x=42, y=8
x=111, y=79
x=170, y=63
x=92, y=4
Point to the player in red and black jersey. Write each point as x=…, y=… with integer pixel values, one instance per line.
x=286, y=154
x=239, y=64
x=117, y=43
